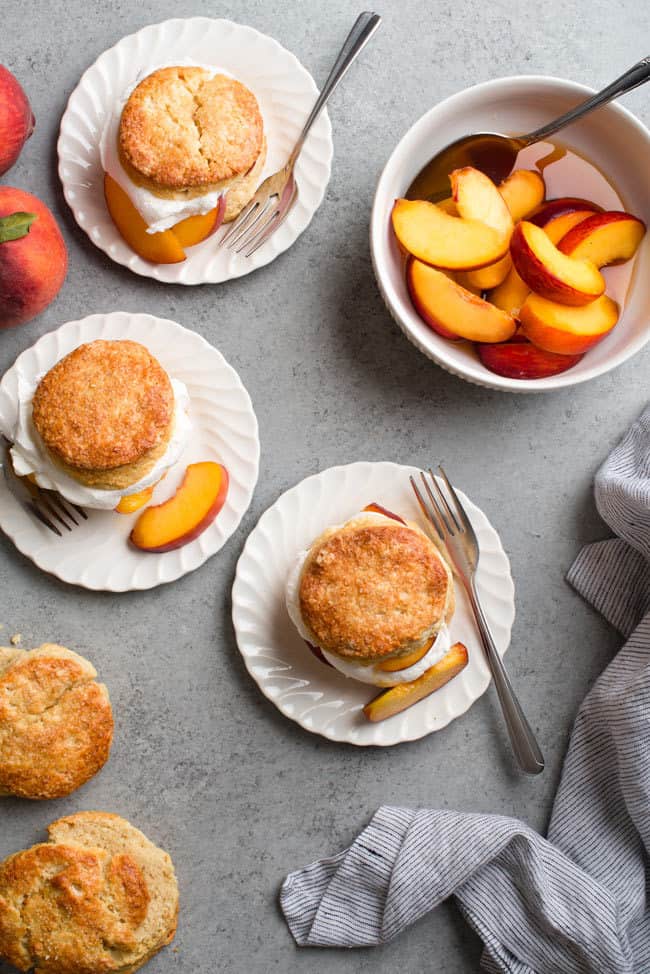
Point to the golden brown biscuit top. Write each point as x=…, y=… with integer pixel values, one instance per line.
x=104, y=405
x=181, y=128
x=368, y=591
x=98, y=897
x=56, y=722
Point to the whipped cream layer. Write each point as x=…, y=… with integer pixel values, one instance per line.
x=159, y=214
x=30, y=456
x=370, y=673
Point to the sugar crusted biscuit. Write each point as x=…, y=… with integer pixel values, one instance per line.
x=372, y=591
x=56, y=722
x=106, y=406
x=98, y=896
x=183, y=130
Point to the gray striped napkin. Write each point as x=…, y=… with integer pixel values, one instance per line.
x=571, y=903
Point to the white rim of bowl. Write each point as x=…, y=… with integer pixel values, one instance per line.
x=378, y=216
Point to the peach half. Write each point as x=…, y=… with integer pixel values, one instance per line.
x=604, y=238
x=454, y=312
x=567, y=330
x=425, y=231
x=549, y=272
x=187, y=514
x=167, y=246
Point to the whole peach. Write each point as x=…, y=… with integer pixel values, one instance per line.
x=33, y=265
x=16, y=119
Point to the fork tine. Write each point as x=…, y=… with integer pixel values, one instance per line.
x=440, y=493
x=57, y=502
x=464, y=520
x=33, y=509
x=42, y=500
x=80, y=511
x=242, y=239
x=264, y=235
x=238, y=222
x=428, y=513
x=439, y=509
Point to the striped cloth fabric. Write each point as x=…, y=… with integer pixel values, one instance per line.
x=575, y=902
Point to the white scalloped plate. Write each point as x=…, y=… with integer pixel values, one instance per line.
x=286, y=93
x=314, y=695
x=97, y=555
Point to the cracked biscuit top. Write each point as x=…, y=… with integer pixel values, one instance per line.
x=104, y=405
x=182, y=129
x=372, y=591
x=97, y=897
x=56, y=722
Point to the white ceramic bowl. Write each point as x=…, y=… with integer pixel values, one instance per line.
x=612, y=138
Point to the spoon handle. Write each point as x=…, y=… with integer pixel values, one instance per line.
x=635, y=76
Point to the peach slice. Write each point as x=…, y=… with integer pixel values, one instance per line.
x=512, y=292
x=403, y=663
x=378, y=509
x=549, y=272
x=559, y=226
x=521, y=360
x=397, y=699
x=194, y=230
x=435, y=237
x=567, y=330
x=454, y=312
x=131, y=503
x=558, y=207
x=604, y=238
x=187, y=514
x=523, y=191
x=477, y=198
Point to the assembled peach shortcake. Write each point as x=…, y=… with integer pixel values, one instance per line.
x=103, y=427
x=184, y=153
x=373, y=598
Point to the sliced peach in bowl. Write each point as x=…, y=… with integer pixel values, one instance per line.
x=549, y=272
x=567, y=330
x=444, y=241
x=550, y=209
x=513, y=291
x=604, y=238
x=559, y=226
x=477, y=198
x=187, y=514
x=523, y=360
x=523, y=191
x=510, y=294
x=453, y=311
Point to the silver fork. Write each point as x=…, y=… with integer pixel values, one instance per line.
x=47, y=506
x=449, y=520
x=273, y=200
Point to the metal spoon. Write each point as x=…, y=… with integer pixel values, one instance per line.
x=495, y=154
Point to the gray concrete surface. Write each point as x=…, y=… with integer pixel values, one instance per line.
x=202, y=762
